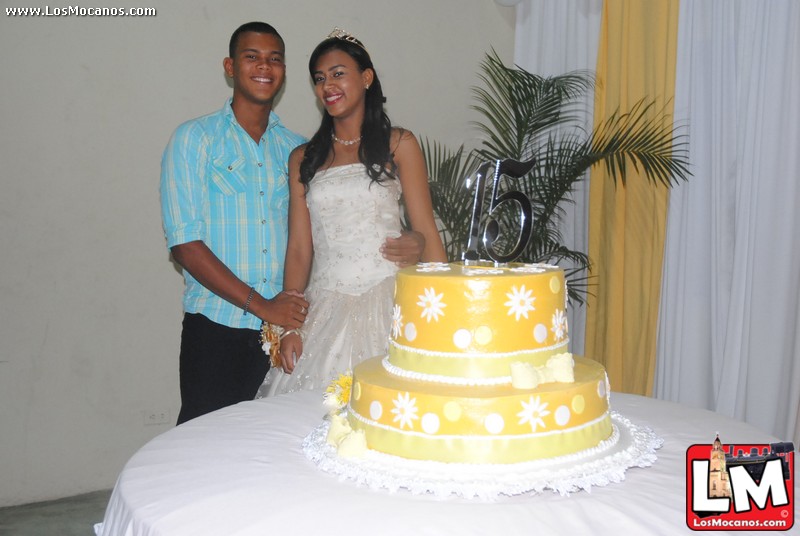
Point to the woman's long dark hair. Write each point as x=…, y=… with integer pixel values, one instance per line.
x=376, y=130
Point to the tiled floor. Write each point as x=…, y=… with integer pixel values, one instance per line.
x=72, y=516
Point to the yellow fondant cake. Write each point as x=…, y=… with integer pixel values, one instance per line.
x=445, y=392
x=479, y=424
x=466, y=324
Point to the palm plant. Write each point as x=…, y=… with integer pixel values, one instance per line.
x=527, y=116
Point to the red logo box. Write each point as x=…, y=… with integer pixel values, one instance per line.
x=740, y=486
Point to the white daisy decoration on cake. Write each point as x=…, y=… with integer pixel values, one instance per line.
x=559, y=324
x=397, y=321
x=405, y=410
x=433, y=267
x=481, y=271
x=432, y=305
x=520, y=301
x=528, y=269
x=532, y=413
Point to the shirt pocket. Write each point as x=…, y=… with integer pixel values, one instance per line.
x=227, y=175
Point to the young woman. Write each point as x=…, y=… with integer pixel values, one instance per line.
x=345, y=186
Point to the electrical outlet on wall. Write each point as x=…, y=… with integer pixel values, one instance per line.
x=156, y=416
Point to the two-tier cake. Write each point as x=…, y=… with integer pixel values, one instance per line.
x=445, y=391
x=478, y=395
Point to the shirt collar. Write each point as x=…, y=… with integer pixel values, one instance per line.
x=227, y=110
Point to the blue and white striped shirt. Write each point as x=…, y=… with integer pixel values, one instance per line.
x=219, y=186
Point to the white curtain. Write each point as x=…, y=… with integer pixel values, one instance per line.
x=730, y=309
x=730, y=304
x=554, y=37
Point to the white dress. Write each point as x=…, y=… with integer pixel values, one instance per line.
x=351, y=285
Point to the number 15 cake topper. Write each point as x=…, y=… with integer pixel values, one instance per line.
x=513, y=169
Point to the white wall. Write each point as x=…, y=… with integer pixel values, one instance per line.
x=90, y=303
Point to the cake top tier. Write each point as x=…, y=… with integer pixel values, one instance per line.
x=474, y=320
x=480, y=268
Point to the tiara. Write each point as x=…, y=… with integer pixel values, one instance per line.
x=338, y=33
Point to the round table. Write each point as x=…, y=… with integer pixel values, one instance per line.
x=241, y=471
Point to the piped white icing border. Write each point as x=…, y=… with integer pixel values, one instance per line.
x=481, y=355
x=629, y=446
x=436, y=378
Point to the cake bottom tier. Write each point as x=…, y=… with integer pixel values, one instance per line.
x=479, y=424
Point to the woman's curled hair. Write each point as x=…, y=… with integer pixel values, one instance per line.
x=376, y=130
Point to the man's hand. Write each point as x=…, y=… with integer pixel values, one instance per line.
x=287, y=309
x=405, y=250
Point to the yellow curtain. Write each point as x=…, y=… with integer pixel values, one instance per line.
x=627, y=224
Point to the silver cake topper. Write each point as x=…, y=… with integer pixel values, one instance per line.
x=513, y=169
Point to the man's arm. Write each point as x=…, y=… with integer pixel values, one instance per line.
x=287, y=310
x=405, y=250
x=182, y=200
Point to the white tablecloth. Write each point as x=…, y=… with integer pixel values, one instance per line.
x=241, y=471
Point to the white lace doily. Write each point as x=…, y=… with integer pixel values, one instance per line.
x=629, y=446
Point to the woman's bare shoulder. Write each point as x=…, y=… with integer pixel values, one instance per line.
x=403, y=139
x=297, y=154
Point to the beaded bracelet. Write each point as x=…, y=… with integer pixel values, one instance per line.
x=249, y=299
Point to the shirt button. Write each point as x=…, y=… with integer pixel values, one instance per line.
x=263, y=251
x=230, y=168
x=260, y=193
x=260, y=164
x=264, y=280
x=263, y=221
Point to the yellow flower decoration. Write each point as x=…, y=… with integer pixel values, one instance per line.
x=337, y=394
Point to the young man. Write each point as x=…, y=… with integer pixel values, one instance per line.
x=224, y=197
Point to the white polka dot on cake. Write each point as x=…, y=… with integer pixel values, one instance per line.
x=540, y=333
x=375, y=410
x=601, y=389
x=410, y=331
x=430, y=423
x=357, y=391
x=494, y=423
x=562, y=415
x=462, y=338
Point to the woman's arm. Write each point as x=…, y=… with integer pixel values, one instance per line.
x=414, y=180
x=299, y=253
x=299, y=249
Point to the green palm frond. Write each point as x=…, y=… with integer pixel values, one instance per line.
x=452, y=203
x=518, y=106
x=527, y=116
x=637, y=137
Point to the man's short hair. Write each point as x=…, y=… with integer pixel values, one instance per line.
x=256, y=27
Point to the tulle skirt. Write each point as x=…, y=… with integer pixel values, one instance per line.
x=341, y=330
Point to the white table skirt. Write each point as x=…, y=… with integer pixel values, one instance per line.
x=241, y=471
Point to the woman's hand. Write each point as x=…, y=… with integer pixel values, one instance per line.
x=291, y=350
